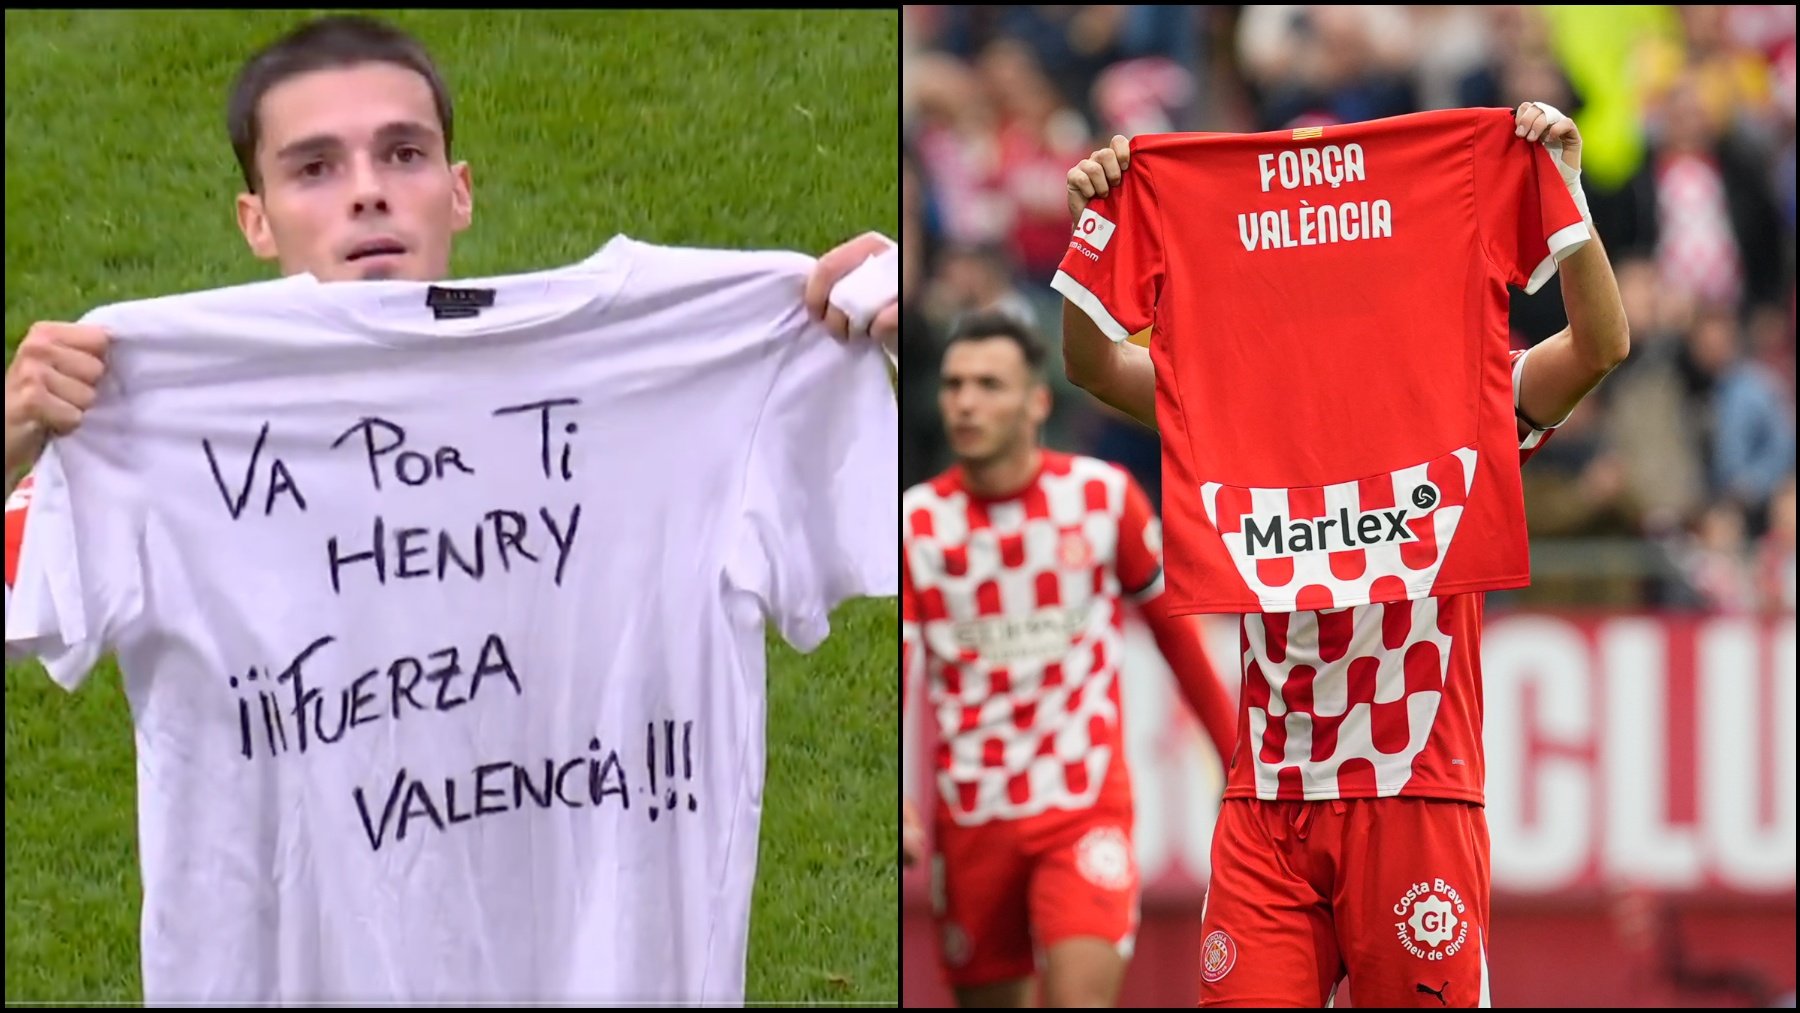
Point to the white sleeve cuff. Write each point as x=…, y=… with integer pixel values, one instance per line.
x=1078, y=294
x=1563, y=242
x=1536, y=435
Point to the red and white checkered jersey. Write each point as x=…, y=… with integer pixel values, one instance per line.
x=1369, y=701
x=1696, y=251
x=1012, y=608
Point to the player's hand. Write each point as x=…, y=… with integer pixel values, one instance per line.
x=1096, y=174
x=49, y=387
x=912, y=836
x=1537, y=121
x=831, y=269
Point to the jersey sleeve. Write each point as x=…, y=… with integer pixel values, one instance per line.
x=1531, y=435
x=72, y=570
x=1113, y=269
x=1179, y=638
x=1528, y=221
x=1140, y=546
x=819, y=523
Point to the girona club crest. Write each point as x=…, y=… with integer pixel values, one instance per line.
x=1217, y=956
x=1074, y=552
x=1103, y=857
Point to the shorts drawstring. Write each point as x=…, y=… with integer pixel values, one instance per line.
x=1303, y=821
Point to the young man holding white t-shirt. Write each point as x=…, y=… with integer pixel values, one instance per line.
x=343, y=132
x=344, y=137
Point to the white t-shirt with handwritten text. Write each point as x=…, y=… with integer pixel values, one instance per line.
x=441, y=615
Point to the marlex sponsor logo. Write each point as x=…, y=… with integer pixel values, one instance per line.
x=1279, y=535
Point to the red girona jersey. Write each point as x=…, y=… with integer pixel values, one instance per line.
x=1330, y=312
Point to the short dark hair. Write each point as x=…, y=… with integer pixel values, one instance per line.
x=342, y=40
x=989, y=324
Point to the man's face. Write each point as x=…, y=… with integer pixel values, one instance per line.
x=355, y=183
x=990, y=401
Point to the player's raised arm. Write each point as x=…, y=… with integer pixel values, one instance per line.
x=1117, y=372
x=1563, y=368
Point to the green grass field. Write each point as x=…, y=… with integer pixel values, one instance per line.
x=747, y=130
